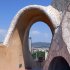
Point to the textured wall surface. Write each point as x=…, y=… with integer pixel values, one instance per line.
x=60, y=4
x=60, y=46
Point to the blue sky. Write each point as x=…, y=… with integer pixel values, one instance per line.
x=40, y=32
x=9, y=8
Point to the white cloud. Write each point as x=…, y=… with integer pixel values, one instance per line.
x=2, y=34
x=46, y=35
x=35, y=32
x=39, y=33
x=40, y=36
x=1, y=31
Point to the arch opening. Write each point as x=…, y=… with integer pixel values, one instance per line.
x=27, y=19
x=40, y=37
x=38, y=16
x=59, y=63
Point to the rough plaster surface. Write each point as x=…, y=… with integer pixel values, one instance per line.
x=58, y=48
x=66, y=30
x=60, y=5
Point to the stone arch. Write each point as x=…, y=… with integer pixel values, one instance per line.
x=58, y=63
x=51, y=13
x=18, y=32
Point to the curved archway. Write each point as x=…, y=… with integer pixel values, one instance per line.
x=40, y=16
x=40, y=37
x=59, y=63
x=52, y=15
x=18, y=33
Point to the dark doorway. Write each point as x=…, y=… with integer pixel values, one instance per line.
x=59, y=63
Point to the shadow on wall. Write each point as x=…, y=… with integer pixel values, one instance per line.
x=59, y=63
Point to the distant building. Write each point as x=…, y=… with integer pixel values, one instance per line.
x=35, y=49
x=30, y=46
x=46, y=50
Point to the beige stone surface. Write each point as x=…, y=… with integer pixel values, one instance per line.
x=60, y=5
